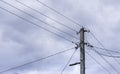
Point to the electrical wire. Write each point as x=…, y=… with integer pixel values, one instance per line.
x=68, y=62
x=107, y=50
x=106, y=61
x=36, y=25
x=97, y=40
x=45, y=15
x=104, y=48
x=39, y=19
x=37, y=60
x=98, y=62
x=107, y=55
x=58, y=13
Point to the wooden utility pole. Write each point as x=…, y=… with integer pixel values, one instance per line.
x=82, y=51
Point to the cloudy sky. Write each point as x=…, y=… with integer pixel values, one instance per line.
x=22, y=41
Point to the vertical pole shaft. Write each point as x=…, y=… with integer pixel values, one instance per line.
x=82, y=51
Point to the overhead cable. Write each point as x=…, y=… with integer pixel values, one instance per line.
x=39, y=19
x=68, y=62
x=37, y=60
x=36, y=25
x=106, y=61
x=98, y=62
x=107, y=50
x=104, y=47
x=45, y=15
x=58, y=13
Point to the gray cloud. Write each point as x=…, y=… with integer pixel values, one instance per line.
x=21, y=42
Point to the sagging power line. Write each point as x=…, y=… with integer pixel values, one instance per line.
x=105, y=60
x=59, y=13
x=37, y=60
x=46, y=16
x=104, y=48
x=39, y=19
x=98, y=62
x=36, y=25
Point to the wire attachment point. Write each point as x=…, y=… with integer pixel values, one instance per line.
x=89, y=45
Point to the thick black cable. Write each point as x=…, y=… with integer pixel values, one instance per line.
x=106, y=61
x=46, y=16
x=58, y=13
x=98, y=63
x=104, y=47
x=37, y=25
x=39, y=19
x=68, y=62
x=37, y=60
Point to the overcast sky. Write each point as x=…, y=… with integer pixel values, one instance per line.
x=22, y=42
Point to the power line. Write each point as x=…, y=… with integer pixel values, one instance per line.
x=106, y=61
x=39, y=19
x=37, y=60
x=107, y=50
x=107, y=55
x=104, y=47
x=98, y=63
x=68, y=62
x=37, y=25
x=58, y=13
x=45, y=15
x=97, y=40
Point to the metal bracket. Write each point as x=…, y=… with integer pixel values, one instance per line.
x=74, y=64
x=89, y=45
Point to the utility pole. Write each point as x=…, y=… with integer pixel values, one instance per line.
x=82, y=51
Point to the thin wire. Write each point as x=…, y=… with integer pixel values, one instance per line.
x=39, y=19
x=58, y=13
x=36, y=25
x=106, y=61
x=68, y=62
x=104, y=47
x=97, y=40
x=107, y=50
x=107, y=55
x=37, y=60
x=45, y=15
x=98, y=63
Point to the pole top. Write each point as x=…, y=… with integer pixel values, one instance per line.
x=83, y=29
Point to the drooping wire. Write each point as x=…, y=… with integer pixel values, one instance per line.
x=59, y=13
x=46, y=16
x=98, y=62
x=104, y=47
x=106, y=60
x=97, y=39
x=37, y=60
x=107, y=55
x=36, y=25
x=68, y=62
x=39, y=19
x=107, y=50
